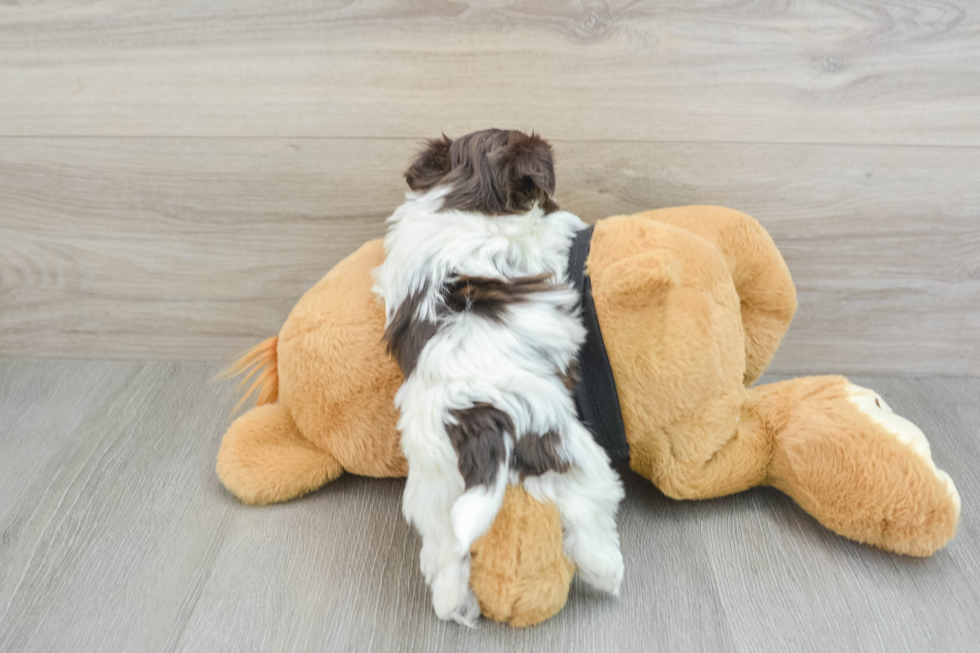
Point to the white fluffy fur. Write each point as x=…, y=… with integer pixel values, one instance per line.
x=512, y=366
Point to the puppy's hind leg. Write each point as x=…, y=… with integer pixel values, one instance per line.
x=434, y=484
x=587, y=496
x=482, y=437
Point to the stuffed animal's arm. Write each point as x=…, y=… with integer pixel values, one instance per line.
x=762, y=279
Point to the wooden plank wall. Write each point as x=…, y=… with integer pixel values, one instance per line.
x=174, y=175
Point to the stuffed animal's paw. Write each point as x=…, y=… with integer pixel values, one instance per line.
x=907, y=433
x=519, y=571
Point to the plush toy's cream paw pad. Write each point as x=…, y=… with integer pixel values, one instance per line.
x=872, y=405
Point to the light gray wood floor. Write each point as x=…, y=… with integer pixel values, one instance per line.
x=115, y=535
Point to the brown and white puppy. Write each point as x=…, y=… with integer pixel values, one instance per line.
x=486, y=330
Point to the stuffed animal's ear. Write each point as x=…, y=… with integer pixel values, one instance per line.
x=430, y=165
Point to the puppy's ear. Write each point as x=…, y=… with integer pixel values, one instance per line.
x=430, y=165
x=535, y=160
x=531, y=170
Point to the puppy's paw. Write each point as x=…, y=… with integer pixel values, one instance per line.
x=452, y=598
x=602, y=567
x=468, y=612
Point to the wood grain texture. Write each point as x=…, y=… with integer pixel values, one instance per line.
x=903, y=72
x=194, y=249
x=115, y=535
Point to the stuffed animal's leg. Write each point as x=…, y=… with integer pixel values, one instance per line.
x=518, y=570
x=264, y=459
x=720, y=449
x=835, y=448
x=864, y=472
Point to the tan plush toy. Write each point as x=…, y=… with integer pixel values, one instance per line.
x=692, y=303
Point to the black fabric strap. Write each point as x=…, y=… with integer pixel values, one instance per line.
x=595, y=392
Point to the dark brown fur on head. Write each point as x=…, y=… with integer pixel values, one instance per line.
x=493, y=172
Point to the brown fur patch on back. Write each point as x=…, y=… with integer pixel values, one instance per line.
x=534, y=455
x=407, y=335
x=489, y=297
x=479, y=440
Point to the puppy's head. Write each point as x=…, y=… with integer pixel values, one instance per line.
x=493, y=172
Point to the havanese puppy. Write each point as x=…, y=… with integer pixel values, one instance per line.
x=486, y=329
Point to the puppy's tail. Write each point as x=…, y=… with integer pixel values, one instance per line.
x=262, y=359
x=474, y=512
